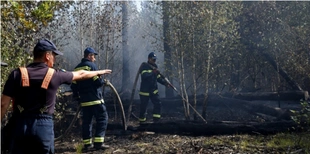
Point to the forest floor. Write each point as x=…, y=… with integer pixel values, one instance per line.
x=147, y=142
x=150, y=142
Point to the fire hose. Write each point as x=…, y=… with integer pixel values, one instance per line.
x=109, y=84
x=169, y=83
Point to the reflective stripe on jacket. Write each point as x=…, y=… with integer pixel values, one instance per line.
x=149, y=80
x=88, y=91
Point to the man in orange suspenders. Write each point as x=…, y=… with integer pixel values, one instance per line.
x=33, y=89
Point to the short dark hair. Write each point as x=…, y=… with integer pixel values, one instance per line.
x=40, y=54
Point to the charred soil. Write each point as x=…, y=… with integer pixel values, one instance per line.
x=230, y=128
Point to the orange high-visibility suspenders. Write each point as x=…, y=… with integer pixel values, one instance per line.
x=47, y=78
x=46, y=81
x=25, y=77
x=25, y=82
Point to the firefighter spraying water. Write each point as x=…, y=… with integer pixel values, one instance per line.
x=148, y=68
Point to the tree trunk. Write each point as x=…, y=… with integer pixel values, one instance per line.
x=194, y=79
x=207, y=71
x=294, y=85
x=167, y=54
x=184, y=92
x=218, y=127
x=126, y=72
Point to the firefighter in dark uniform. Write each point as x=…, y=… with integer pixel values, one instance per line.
x=90, y=95
x=149, y=89
x=33, y=89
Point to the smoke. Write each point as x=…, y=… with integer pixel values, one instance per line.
x=144, y=36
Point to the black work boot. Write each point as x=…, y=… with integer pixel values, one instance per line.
x=88, y=147
x=101, y=146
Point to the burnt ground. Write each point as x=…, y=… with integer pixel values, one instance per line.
x=148, y=140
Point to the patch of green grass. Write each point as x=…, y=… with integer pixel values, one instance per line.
x=286, y=140
x=248, y=142
x=244, y=144
x=281, y=141
x=254, y=143
x=79, y=148
x=214, y=141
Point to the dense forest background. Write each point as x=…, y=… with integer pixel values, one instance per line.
x=203, y=46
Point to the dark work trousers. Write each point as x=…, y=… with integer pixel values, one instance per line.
x=34, y=133
x=98, y=111
x=144, y=100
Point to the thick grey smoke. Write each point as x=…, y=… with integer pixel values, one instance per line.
x=143, y=37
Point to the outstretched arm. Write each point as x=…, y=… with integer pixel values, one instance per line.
x=82, y=74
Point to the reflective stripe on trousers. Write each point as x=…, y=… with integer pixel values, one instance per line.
x=96, y=140
x=143, y=106
x=92, y=103
x=99, y=112
x=148, y=94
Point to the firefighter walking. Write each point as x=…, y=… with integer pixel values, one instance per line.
x=149, y=89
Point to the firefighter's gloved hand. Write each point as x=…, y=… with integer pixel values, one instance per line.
x=155, y=71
